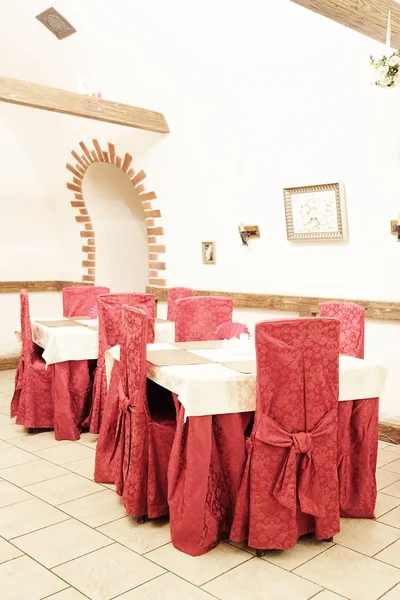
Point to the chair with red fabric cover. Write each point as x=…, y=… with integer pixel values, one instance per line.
x=146, y=426
x=80, y=300
x=174, y=294
x=55, y=397
x=197, y=318
x=358, y=422
x=352, y=325
x=110, y=307
x=32, y=403
x=290, y=485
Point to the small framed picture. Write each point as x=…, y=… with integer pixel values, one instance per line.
x=208, y=253
x=316, y=212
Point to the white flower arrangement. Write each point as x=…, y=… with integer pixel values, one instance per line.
x=386, y=69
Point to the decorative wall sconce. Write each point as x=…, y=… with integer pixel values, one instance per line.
x=248, y=231
x=395, y=228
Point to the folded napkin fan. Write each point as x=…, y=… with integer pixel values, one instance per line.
x=230, y=329
x=93, y=312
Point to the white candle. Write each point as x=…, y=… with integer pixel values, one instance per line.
x=241, y=226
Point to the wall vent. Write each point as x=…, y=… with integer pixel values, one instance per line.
x=56, y=23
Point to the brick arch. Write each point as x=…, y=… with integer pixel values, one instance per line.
x=152, y=216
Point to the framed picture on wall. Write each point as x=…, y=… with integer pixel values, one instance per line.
x=208, y=249
x=316, y=212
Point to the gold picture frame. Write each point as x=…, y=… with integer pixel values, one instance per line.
x=208, y=252
x=316, y=212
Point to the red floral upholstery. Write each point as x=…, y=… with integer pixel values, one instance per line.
x=146, y=428
x=53, y=398
x=197, y=318
x=290, y=484
x=352, y=325
x=110, y=310
x=175, y=294
x=79, y=300
x=358, y=422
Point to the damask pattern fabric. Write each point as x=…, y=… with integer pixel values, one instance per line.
x=290, y=482
x=174, y=294
x=81, y=300
x=110, y=314
x=352, y=325
x=197, y=318
x=144, y=436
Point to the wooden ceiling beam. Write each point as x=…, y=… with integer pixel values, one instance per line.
x=368, y=17
x=35, y=95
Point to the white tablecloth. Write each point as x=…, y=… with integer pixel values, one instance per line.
x=79, y=343
x=212, y=389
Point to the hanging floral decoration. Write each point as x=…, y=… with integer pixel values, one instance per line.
x=386, y=67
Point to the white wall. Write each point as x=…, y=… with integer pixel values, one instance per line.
x=119, y=224
x=257, y=100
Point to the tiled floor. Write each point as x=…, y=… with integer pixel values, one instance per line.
x=64, y=537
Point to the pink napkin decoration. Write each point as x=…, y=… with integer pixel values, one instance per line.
x=230, y=329
x=93, y=312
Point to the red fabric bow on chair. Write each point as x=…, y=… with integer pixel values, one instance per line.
x=309, y=489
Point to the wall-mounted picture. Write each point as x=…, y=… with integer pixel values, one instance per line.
x=208, y=253
x=316, y=212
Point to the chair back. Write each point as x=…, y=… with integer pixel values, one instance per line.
x=297, y=371
x=352, y=325
x=79, y=301
x=133, y=356
x=197, y=318
x=174, y=294
x=110, y=309
x=28, y=346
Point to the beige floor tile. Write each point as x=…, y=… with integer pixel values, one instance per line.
x=199, y=569
x=38, y=441
x=305, y=549
x=68, y=594
x=382, y=444
x=63, y=454
x=9, y=432
x=244, y=546
x=6, y=420
x=385, y=457
x=392, y=517
x=350, y=574
x=96, y=509
x=10, y=494
x=28, y=516
x=327, y=595
x=391, y=555
x=393, y=448
x=393, y=467
x=89, y=440
x=139, y=538
x=4, y=444
x=8, y=551
x=391, y=490
x=32, y=472
x=60, y=543
x=24, y=579
x=365, y=536
x=384, y=504
x=7, y=385
x=166, y=587
x=108, y=572
x=84, y=467
x=258, y=579
x=385, y=478
x=63, y=489
x=9, y=457
x=394, y=594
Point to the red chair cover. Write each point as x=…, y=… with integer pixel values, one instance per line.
x=53, y=398
x=197, y=318
x=145, y=433
x=110, y=309
x=290, y=483
x=79, y=300
x=174, y=294
x=358, y=422
x=352, y=325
